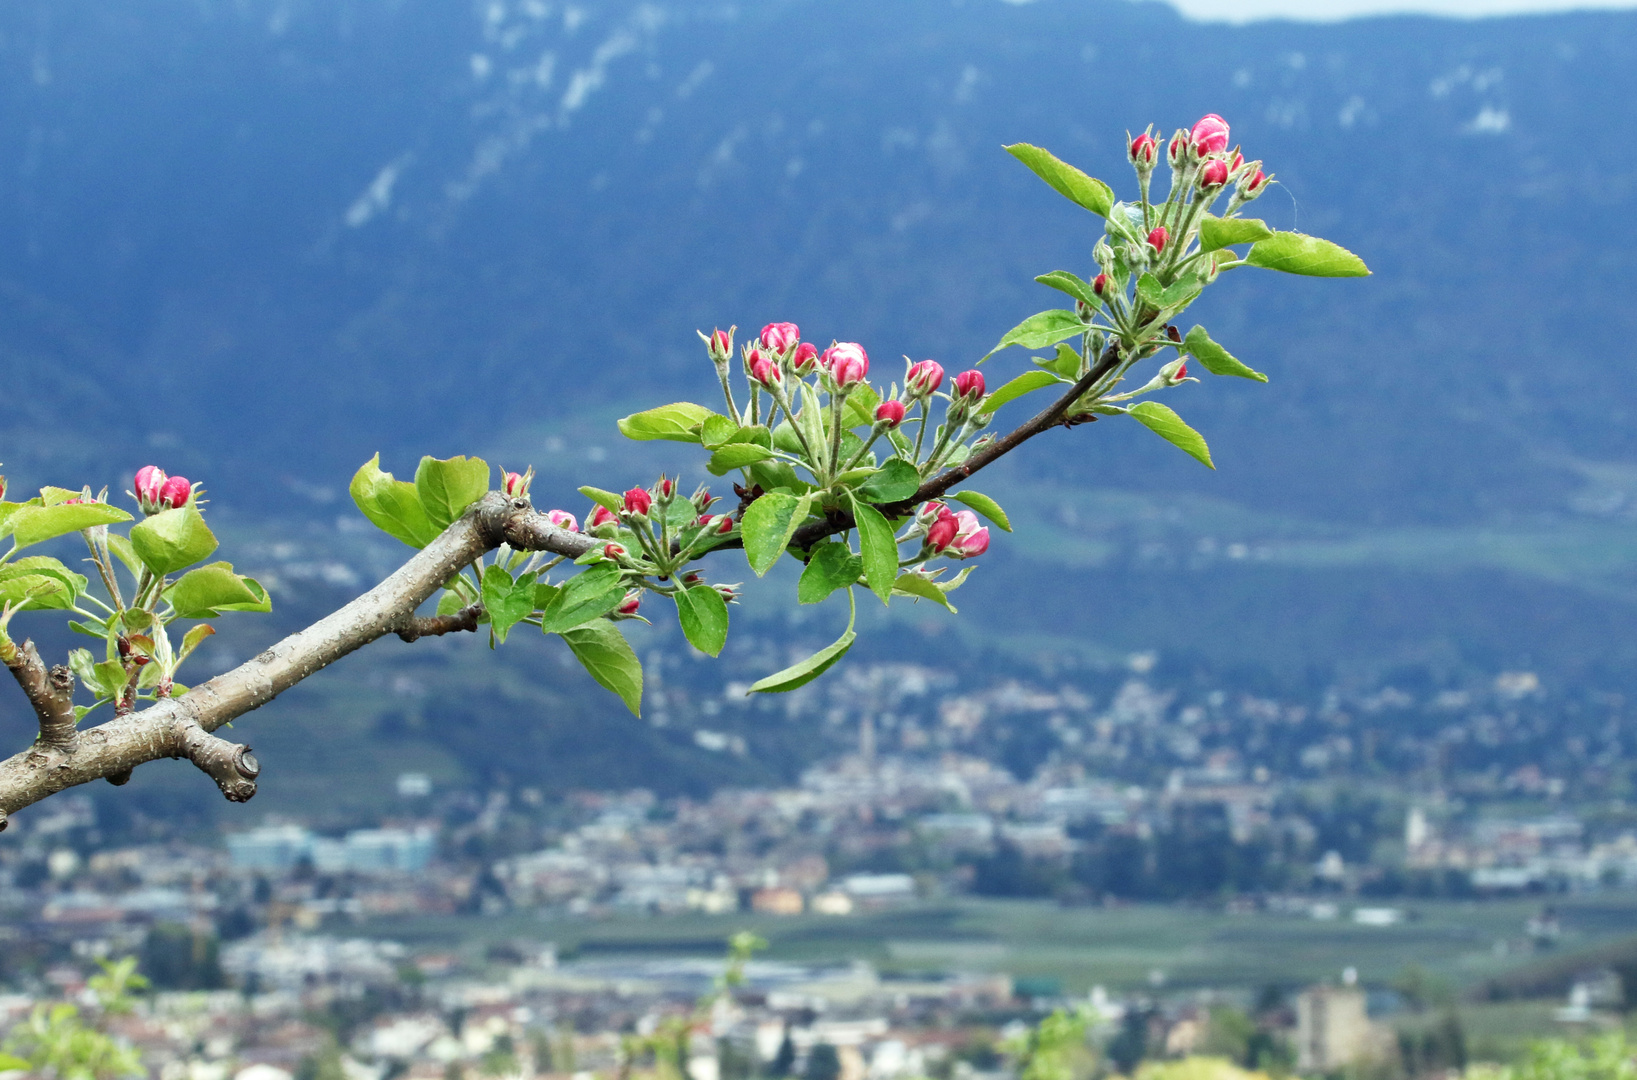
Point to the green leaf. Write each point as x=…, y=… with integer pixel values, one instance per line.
x=1065, y=282
x=859, y=410
x=109, y=678
x=1165, y=423
x=703, y=613
x=986, y=506
x=506, y=601
x=605, y=499
x=678, y=422
x=893, y=482
x=774, y=476
x=736, y=456
x=1298, y=253
x=813, y=421
x=878, y=547
x=8, y=510
x=448, y=486
x=606, y=654
x=10, y=1062
x=1180, y=292
x=716, y=430
x=43, y=565
x=393, y=506
x=594, y=591
x=1066, y=363
x=767, y=526
x=1149, y=290
x=832, y=566
x=753, y=433
x=192, y=638
x=1039, y=331
x=1025, y=383
x=922, y=588
x=450, y=601
x=39, y=592
x=1215, y=359
x=125, y=553
x=32, y=524
x=173, y=539
x=1216, y=233
x=1068, y=181
x=797, y=675
x=202, y=592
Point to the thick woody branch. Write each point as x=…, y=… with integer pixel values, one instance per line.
x=419, y=626
x=52, y=695
x=167, y=729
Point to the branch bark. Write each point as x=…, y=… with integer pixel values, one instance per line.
x=181, y=727
x=52, y=695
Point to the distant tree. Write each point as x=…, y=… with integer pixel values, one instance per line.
x=858, y=481
x=178, y=957
x=823, y=1063
x=785, y=1059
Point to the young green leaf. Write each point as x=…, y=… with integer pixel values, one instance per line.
x=46, y=566
x=860, y=408
x=173, y=539
x=813, y=421
x=879, y=548
x=736, y=456
x=1150, y=291
x=716, y=430
x=703, y=613
x=203, y=592
x=594, y=591
x=922, y=588
x=679, y=422
x=125, y=553
x=605, y=499
x=450, y=601
x=1066, y=363
x=986, y=506
x=798, y=675
x=832, y=566
x=1165, y=423
x=895, y=480
x=32, y=524
x=1068, y=181
x=1298, y=253
x=1065, y=282
x=507, y=602
x=1013, y=389
x=446, y=487
x=393, y=506
x=767, y=526
x=1039, y=331
x=1215, y=359
x=38, y=592
x=108, y=678
x=607, y=656
x=192, y=638
x=1216, y=233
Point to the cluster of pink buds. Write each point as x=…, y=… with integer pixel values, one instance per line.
x=761, y=369
x=955, y=535
x=847, y=363
x=156, y=492
x=516, y=485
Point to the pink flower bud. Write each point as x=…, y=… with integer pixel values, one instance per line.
x=924, y=378
x=780, y=336
x=942, y=532
x=565, y=520
x=724, y=524
x=929, y=513
x=2, y=487
x=890, y=413
x=1176, y=377
x=1099, y=284
x=515, y=485
x=600, y=516
x=175, y=492
x=1213, y=176
x=149, y=480
x=730, y=593
x=1257, y=180
x=763, y=370
x=632, y=601
x=848, y=363
x=1143, y=151
x=959, y=536
x=702, y=500
x=805, y=358
x=1179, y=143
x=1210, y=135
x=969, y=385
x=614, y=551
x=1238, y=160
x=694, y=578
x=638, y=501
x=1158, y=237
x=969, y=545
x=666, y=488
x=719, y=345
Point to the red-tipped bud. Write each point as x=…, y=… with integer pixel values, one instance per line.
x=614, y=551
x=665, y=489
x=632, y=601
x=1210, y=135
x=762, y=369
x=1143, y=152
x=2, y=487
x=1099, y=284
x=924, y=379
x=516, y=485
x=848, y=363
x=724, y=524
x=694, y=578
x=969, y=385
x=1176, y=377
x=941, y=533
x=730, y=593
x=971, y=538
x=929, y=513
x=1179, y=143
x=1213, y=176
x=890, y=413
x=780, y=336
x=702, y=500
x=1158, y=237
x=600, y=517
x=805, y=358
x=638, y=501
x=719, y=345
x=175, y=493
x=1238, y=160
x=565, y=520
x=1254, y=186
x=149, y=480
